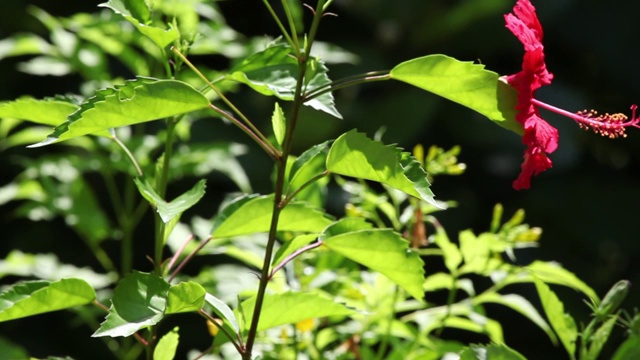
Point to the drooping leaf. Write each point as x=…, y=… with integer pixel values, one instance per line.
x=290, y=308
x=562, y=323
x=139, y=301
x=136, y=101
x=37, y=297
x=450, y=251
x=23, y=44
x=278, y=123
x=250, y=214
x=185, y=297
x=137, y=13
x=382, y=250
x=275, y=72
x=167, y=345
x=553, y=273
x=466, y=83
x=174, y=208
x=519, y=304
x=353, y=154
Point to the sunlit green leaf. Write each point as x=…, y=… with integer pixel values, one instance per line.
x=382, y=250
x=174, y=208
x=519, y=304
x=224, y=312
x=562, y=323
x=137, y=13
x=37, y=297
x=49, y=267
x=185, y=297
x=275, y=71
x=139, y=301
x=292, y=246
x=23, y=44
x=134, y=102
x=450, y=252
x=490, y=352
x=553, y=273
x=48, y=111
x=466, y=83
x=353, y=154
x=167, y=346
x=252, y=214
x=292, y=307
x=278, y=123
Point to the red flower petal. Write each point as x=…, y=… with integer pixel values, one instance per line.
x=540, y=137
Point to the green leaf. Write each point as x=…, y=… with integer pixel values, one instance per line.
x=630, y=349
x=382, y=250
x=553, y=273
x=185, y=297
x=279, y=123
x=450, y=252
x=292, y=246
x=355, y=155
x=308, y=165
x=223, y=311
x=292, y=307
x=37, y=297
x=600, y=337
x=563, y=324
x=275, y=72
x=167, y=346
x=23, y=44
x=137, y=13
x=136, y=101
x=519, y=304
x=250, y=214
x=139, y=301
x=466, y=83
x=490, y=352
x=12, y=351
x=48, y=111
x=170, y=210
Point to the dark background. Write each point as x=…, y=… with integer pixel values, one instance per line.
x=586, y=203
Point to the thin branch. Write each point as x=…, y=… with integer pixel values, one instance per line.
x=293, y=256
x=188, y=258
x=175, y=256
x=126, y=150
x=238, y=346
x=293, y=194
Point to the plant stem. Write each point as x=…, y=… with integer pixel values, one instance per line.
x=295, y=192
x=281, y=26
x=346, y=82
x=298, y=102
x=161, y=188
x=293, y=256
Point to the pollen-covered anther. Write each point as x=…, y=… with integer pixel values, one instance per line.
x=609, y=125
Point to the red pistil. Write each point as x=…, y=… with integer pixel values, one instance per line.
x=608, y=125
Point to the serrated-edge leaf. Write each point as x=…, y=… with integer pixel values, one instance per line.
x=551, y=272
x=354, y=154
x=562, y=323
x=136, y=101
x=138, y=14
x=185, y=297
x=292, y=307
x=37, y=297
x=464, y=82
x=252, y=214
x=384, y=251
x=139, y=301
x=170, y=210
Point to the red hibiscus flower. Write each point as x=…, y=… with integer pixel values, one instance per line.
x=539, y=136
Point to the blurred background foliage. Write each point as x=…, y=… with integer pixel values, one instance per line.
x=586, y=203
